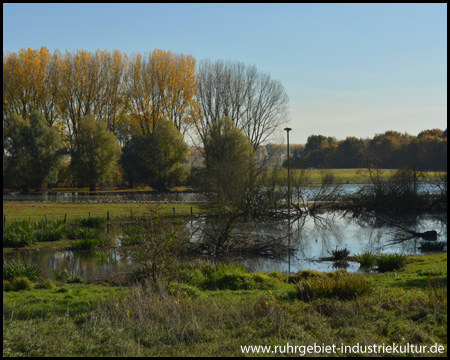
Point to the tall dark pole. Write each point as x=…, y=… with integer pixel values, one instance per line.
x=289, y=201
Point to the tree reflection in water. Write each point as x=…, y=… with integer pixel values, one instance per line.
x=311, y=238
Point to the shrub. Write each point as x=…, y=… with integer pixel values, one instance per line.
x=159, y=246
x=21, y=283
x=390, y=262
x=47, y=284
x=339, y=285
x=7, y=285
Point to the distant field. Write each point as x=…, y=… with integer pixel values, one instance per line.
x=37, y=210
x=352, y=176
x=341, y=176
x=56, y=210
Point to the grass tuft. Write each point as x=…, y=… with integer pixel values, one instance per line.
x=339, y=254
x=15, y=269
x=431, y=246
x=390, y=262
x=339, y=285
x=367, y=259
x=91, y=222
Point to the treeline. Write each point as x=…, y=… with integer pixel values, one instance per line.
x=390, y=150
x=90, y=118
x=86, y=118
x=127, y=93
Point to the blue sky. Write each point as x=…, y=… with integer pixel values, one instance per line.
x=349, y=69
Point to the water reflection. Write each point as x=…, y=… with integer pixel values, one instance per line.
x=311, y=238
x=145, y=196
x=79, y=263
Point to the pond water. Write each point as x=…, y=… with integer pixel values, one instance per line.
x=145, y=196
x=141, y=196
x=311, y=238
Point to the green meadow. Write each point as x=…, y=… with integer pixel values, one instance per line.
x=214, y=310
x=203, y=309
x=351, y=176
x=19, y=210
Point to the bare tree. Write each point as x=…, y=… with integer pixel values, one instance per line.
x=254, y=102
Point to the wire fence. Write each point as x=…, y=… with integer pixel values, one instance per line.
x=76, y=197
x=108, y=215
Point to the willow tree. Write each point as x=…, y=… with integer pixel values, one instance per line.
x=155, y=159
x=32, y=151
x=230, y=164
x=95, y=153
x=228, y=177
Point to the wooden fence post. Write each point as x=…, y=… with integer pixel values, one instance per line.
x=65, y=218
x=45, y=218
